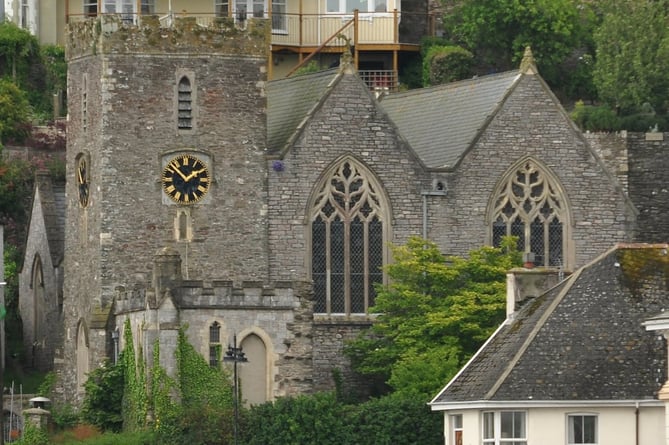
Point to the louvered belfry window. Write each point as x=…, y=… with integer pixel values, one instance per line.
x=529, y=206
x=185, y=110
x=347, y=241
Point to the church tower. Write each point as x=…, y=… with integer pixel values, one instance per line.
x=166, y=187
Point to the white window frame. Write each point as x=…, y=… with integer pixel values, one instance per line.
x=343, y=6
x=570, y=429
x=455, y=422
x=494, y=436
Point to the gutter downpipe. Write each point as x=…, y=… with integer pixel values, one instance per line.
x=636, y=423
x=440, y=190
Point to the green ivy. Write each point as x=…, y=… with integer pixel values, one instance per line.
x=134, y=392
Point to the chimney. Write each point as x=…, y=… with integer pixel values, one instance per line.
x=524, y=283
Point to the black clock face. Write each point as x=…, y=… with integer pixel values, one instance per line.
x=186, y=179
x=82, y=181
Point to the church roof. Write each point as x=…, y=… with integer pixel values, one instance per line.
x=289, y=102
x=52, y=200
x=441, y=122
x=582, y=340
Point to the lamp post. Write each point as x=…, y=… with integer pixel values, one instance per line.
x=235, y=355
x=114, y=336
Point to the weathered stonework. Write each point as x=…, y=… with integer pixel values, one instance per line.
x=239, y=259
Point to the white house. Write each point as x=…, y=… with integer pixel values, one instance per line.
x=577, y=364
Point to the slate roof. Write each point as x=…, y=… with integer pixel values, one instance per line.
x=52, y=200
x=582, y=340
x=441, y=122
x=289, y=101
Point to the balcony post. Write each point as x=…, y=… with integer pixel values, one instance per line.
x=355, y=38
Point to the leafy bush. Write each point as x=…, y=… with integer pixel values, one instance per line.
x=33, y=435
x=104, y=396
x=307, y=419
x=644, y=122
x=322, y=419
x=396, y=420
x=443, y=64
x=595, y=118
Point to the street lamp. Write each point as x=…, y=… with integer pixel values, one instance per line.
x=235, y=355
x=114, y=336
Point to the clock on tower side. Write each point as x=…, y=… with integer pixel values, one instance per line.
x=166, y=143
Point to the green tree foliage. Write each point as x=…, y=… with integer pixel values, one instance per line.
x=104, y=397
x=14, y=113
x=39, y=72
x=497, y=31
x=17, y=48
x=443, y=64
x=323, y=419
x=633, y=55
x=433, y=316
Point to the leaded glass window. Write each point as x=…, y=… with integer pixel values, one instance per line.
x=530, y=207
x=347, y=237
x=214, y=344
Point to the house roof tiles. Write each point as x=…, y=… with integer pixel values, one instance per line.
x=582, y=340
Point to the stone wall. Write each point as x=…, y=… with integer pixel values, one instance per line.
x=123, y=114
x=649, y=184
x=531, y=123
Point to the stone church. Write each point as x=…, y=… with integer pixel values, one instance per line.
x=201, y=195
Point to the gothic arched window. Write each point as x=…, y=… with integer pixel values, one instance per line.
x=185, y=105
x=529, y=205
x=349, y=226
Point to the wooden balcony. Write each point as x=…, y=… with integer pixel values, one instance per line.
x=382, y=31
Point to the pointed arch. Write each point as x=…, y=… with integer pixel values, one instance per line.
x=39, y=299
x=254, y=379
x=349, y=226
x=529, y=202
x=83, y=366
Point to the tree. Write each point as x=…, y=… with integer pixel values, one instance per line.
x=632, y=60
x=17, y=49
x=433, y=316
x=14, y=113
x=497, y=31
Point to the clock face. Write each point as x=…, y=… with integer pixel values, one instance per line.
x=186, y=179
x=82, y=181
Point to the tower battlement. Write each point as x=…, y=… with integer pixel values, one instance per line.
x=221, y=294
x=112, y=34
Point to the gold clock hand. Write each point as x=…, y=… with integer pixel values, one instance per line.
x=176, y=168
x=193, y=174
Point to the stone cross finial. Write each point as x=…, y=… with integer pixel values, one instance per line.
x=346, y=63
x=528, y=65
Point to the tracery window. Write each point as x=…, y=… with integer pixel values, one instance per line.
x=185, y=106
x=529, y=205
x=348, y=228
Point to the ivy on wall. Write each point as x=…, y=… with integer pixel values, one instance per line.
x=135, y=400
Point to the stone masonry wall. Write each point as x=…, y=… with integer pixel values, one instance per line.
x=649, y=184
x=347, y=123
x=123, y=85
x=532, y=123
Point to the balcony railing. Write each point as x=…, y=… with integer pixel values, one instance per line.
x=311, y=30
x=380, y=81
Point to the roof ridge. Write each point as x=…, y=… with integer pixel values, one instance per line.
x=535, y=330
